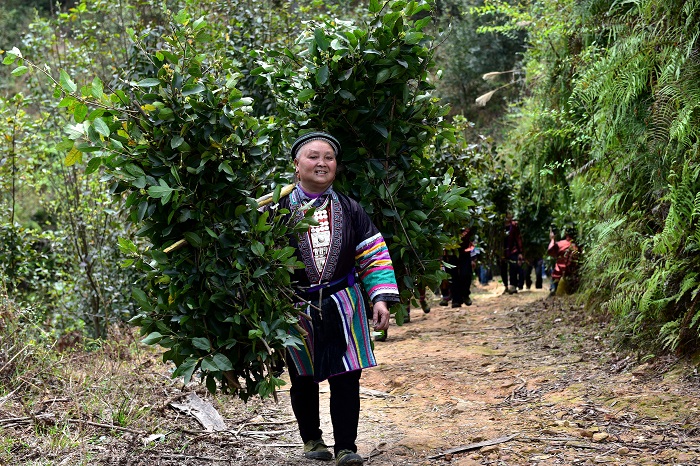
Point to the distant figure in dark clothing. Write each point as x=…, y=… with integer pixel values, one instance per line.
x=512, y=259
x=461, y=272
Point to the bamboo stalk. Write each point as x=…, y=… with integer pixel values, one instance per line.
x=176, y=245
x=267, y=198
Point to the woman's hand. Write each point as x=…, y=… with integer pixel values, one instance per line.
x=380, y=315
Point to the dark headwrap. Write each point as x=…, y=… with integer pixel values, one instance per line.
x=315, y=136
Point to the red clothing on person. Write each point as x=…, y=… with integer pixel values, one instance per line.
x=558, y=249
x=513, y=241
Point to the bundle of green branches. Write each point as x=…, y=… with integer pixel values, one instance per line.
x=183, y=148
x=371, y=86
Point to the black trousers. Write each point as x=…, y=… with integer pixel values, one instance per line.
x=460, y=278
x=511, y=271
x=344, y=406
x=527, y=269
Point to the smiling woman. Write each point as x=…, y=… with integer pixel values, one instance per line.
x=345, y=261
x=316, y=164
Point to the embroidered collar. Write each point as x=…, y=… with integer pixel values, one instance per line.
x=304, y=197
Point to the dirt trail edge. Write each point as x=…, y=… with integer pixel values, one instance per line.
x=520, y=379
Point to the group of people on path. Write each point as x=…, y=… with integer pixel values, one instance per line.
x=516, y=271
x=345, y=290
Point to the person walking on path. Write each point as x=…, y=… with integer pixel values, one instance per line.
x=345, y=261
x=461, y=271
x=512, y=259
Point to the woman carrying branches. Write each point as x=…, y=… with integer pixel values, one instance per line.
x=346, y=262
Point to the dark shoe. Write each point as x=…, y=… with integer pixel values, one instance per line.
x=468, y=301
x=348, y=458
x=456, y=304
x=444, y=302
x=317, y=450
x=424, y=306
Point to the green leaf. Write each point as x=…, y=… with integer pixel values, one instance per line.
x=413, y=37
x=322, y=75
x=160, y=190
x=126, y=246
x=11, y=56
x=152, y=338
x=208, y=365
x=176, y=141
x=93, y=164
x=193, y=238
x=420, y=215
x=141, y=211
x=67, y=101
x=210, y=383
x=322, y=41
x=346, y=74
x=148, y=82
x=374, y=6
x=201, y=343
x=80, y=112
x=73, y=157
x=383, y=75
x=160, y=257
x=101, y=127
x=346, y=95
x=190, y=89
x=381, y=130
x=75, y=131
x=20, y=70
x=140, y=296
x=275, y=197
x=257, y=248
x=97, y=88
x=182, y=17
x=222, y=362
x=305, y=95
x=66, y=83
x=186, y=369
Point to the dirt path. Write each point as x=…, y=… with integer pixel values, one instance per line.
x=526, y=366
x=526, y=372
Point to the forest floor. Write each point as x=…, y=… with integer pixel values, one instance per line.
x=523, y=379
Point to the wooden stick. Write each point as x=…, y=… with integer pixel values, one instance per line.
x=73, y=421
x=187, y=457
x=474, y=446
x=13, y=358
x=104, y=426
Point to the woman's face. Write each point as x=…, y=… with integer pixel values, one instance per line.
x=315, y=166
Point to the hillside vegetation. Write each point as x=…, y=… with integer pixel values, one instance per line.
x=124, y=126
